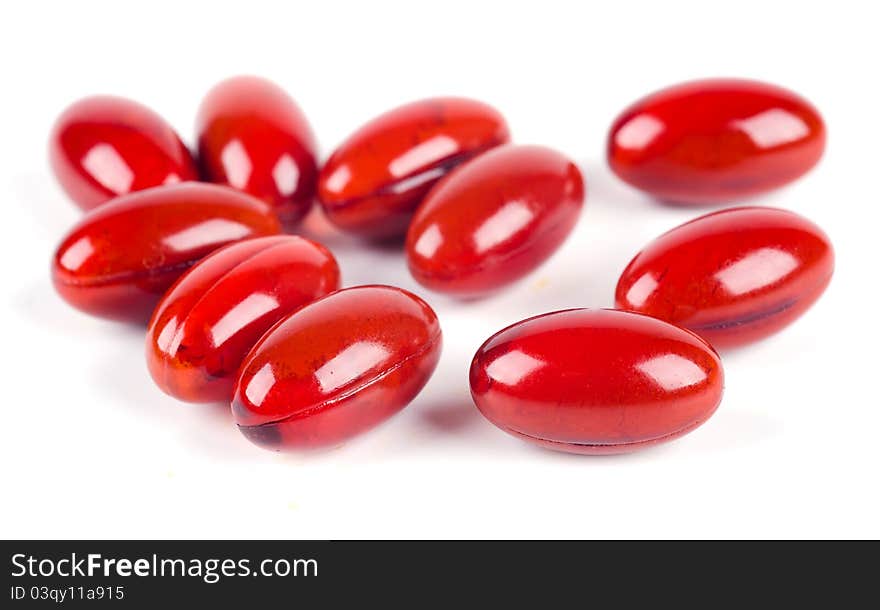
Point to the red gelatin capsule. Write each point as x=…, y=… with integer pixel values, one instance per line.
x=715, y=140
x=120, y=258
x=104, y=146
x=596, y=381
x=494, y=220
x=210, y=319
x=373, y=182
x=733, y=276
x=337, y=367
x=252, y=136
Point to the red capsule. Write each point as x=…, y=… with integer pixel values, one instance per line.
x=337, y=367
x=716, y=140
x=104, y=146
x=252, y=136
x=494, y=220
x=120, y=258
x=596, y=381
x=733, y=276
x=373, y=182
x=210, y=319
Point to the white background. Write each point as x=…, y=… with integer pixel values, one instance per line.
x=91, y=448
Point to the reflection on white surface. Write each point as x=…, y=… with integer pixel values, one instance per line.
x=209, y=231
x=349, y=364
x=672, y=372
x=245, y=312
x=758, y=269
x=338, y=179
x=77, y=254
x=423, y=154
x=107, y=167
x=512, y=367
x=429, y=241
x=773, y=127
x=510, y=218
x=260, y=384
x=641, y=289
x=639, y=132
x=236, y=164
x=286, y=175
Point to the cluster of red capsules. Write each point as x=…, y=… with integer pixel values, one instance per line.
x=240, y=312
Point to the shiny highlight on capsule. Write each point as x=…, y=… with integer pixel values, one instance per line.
x=734, y=276
x=253, y=137
x=715, y=140
x=494, y=220
x=336, y=367
x=104, y=146
x=119, y=260
x=215, y=313
x=372, y=183
x=596, y=381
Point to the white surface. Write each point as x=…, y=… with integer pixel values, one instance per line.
x=92, y=449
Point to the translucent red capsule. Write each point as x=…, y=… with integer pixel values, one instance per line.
x=733, y=277
x=215, y=313
x=596, y=381
x=374, y=181
x=494, y=220
x=104, y=146
x=337, y=367
x=120, y=259
x=715, y=140
x=253, y=137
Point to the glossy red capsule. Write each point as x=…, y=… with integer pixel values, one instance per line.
x=715, y=140
x=596, y=381
x=375, y=180
x=104, y=146
x=120, y=258
x=494, y=220
x=733, y=276
x=337, y=367
x=210, y=319
x=252, y=136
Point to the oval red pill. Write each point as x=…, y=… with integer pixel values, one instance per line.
x=210, y=319
x=596, y=381
x=120, y=258
x=733, y=276
x=373, y=182
x=253, y=137
x=715, y=140
x=336, y=367
x=105, y=146
x=494, y=220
